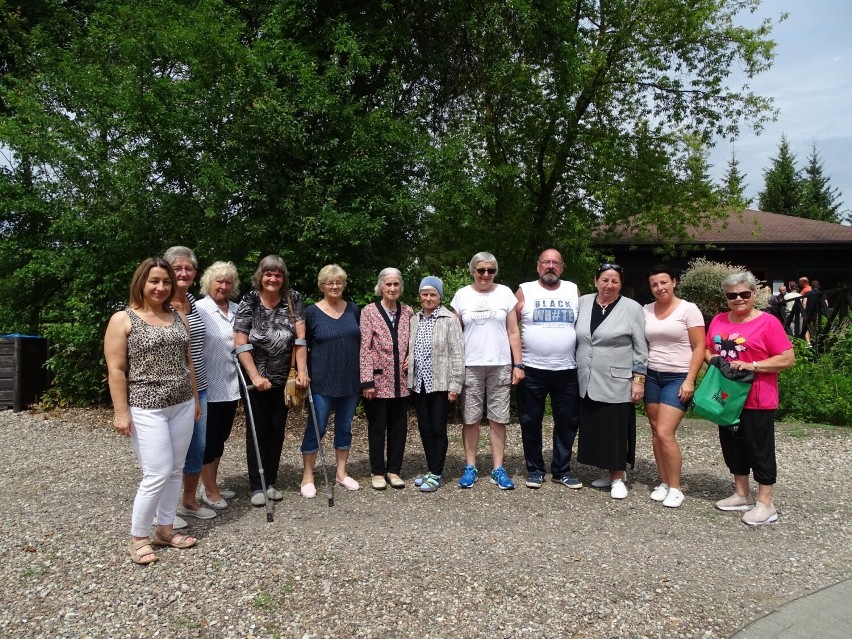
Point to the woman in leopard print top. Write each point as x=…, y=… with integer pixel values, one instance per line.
x=155, y=401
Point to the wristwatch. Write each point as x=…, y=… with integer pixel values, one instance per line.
x=521, y=366
x=754, y=366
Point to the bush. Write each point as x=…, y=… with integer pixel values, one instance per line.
x=819, y=389
x=701, y=284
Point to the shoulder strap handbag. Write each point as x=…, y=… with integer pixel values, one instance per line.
x=294, y=396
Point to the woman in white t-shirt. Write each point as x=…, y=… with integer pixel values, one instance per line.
x=674, y=329
x=492, y=359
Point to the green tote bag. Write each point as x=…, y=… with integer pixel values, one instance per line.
x=722, y=394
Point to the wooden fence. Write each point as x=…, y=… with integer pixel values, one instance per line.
x=815, y=322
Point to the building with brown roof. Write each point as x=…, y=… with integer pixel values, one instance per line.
x=776, y=248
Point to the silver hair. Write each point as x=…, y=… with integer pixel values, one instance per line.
x=482, y=256
x=740, y=278
x=176, y=252
x=390, y=270
x=221, y=271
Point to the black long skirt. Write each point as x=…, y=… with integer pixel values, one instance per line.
x=607, y=435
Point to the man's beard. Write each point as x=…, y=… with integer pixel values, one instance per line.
x=549, y=278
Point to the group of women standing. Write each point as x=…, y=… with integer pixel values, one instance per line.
x=627, y=353
x=174, y=386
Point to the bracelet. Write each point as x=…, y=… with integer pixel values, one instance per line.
x=639, y=379
x=521, y=366
x=754, y=366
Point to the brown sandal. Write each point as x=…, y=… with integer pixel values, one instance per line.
x=184, y=542
x=140, y=548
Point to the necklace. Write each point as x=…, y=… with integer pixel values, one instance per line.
x=603, y=307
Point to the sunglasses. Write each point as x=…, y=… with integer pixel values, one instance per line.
x=606, y=266
x=483, y=271
x=743, y=294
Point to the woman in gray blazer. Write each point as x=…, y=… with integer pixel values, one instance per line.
x=612, y=356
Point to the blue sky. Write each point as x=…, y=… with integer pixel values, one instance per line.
x=811, y=83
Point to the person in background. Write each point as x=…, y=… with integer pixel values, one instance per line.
x=612, y=357
x=221, y=283
x=750, y=340
x=384, y=384
x=492, y=352
x=185, y=266
x=155, y=401
x=547, y=312
x=272, y=319
x=435, y=375
x=334, y=339
x=674, y=329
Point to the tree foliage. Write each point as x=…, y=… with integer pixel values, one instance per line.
x=819, y=201
x=367, y=133
x=734, y=186
x=806, y=193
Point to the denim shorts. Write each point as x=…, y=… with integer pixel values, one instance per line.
x=662, y=388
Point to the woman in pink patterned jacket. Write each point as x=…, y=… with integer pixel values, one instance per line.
x=384, y=384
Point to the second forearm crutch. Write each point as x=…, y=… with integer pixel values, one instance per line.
x=250, y=423
x=329, y=491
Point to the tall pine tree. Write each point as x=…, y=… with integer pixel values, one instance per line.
x=781, y=183
x=819, y=201
x=734, y=186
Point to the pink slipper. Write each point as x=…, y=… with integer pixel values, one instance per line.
x=348, y=483
x=309, y=491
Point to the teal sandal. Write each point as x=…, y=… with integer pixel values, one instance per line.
x=431, y=483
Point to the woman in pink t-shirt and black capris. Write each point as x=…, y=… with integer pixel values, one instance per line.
x=751, y=340
x=674, y=329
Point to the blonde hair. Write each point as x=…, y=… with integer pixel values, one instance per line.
x=221, y=271
x=329, y=272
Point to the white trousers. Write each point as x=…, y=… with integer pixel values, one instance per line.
x=160, y=438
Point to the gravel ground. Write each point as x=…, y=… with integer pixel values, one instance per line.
x=479, y=563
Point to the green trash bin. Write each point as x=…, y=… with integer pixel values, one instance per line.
x=23, y=376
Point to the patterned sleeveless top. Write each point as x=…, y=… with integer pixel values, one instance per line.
x=157, y=368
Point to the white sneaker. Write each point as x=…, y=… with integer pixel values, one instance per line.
x=674, y=499
x=200, y=513
x=274, y=494
x=258, y=499
x=660, y=492
x=618, y=490
x=603, y=481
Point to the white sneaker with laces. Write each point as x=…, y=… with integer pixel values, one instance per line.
x=659, y=493
x=602, y=482
x=674, y=498
x=618, y=490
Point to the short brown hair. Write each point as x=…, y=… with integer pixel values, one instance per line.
x=140, y=276
x=275, y=264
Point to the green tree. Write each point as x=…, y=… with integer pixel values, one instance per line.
x=368, y=133
x=781, y=192
x=819, y=201
x=734, y=186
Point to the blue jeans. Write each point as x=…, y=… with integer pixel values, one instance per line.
x=565, y=403
x=663, y=388
x=344, y=411
x=195, y=454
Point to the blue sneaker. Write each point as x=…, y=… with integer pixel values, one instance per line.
x=534, y=480
x=469, y=476
x=499, y=477
x=569, y=480
x=418, y=481
x=431, y=483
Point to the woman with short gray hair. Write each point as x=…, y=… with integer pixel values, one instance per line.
x=493, y=363
x=750, y=340
x=384, y=384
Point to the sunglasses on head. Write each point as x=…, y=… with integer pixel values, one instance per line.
x=483, y=271
x=743, y=294
x=606, y=266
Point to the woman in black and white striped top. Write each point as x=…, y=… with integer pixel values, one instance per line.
x=183, y=261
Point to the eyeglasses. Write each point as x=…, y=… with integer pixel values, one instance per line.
x=550, y=262
x=334, y=284
x=184, y=269
x=606, y=266
x=743, y=294
x=483, y=271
